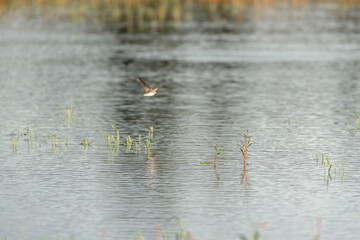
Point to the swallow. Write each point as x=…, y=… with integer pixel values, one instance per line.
x=149, y=92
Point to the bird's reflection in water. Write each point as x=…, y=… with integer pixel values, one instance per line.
x=151, y=167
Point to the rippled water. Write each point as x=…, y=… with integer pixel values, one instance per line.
x=281, y=75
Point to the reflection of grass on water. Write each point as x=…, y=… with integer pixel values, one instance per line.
x=138, y=15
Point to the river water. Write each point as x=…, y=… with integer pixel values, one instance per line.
x=280, y=74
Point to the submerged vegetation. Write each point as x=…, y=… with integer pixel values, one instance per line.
x=111, y=142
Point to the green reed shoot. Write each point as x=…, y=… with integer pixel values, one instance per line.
x=26, y=133
x=52, y=137
x=148, y=147
x=137, y=144
x=328, y=164
x=15, y=142
x=151, y=132
x=327, y=159
x=329, y=168
x=106, y=137
x=129, y=143
x=141, y=237
x=68, y=113
x=117, y=142
x=55, y=143
x=182, y=235
x=85, y=143
x=218, y=150
x=35, y=137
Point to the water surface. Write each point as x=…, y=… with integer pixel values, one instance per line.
x=280, y=75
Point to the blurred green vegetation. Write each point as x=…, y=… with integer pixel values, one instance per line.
x=137, y=15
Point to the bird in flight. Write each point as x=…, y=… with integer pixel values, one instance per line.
x=149, y=91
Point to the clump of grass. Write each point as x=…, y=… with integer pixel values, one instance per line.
x=129, y=143
x=148, y=141
x=110, y=139
x=148, y=147
x=106, y=137
x=218, y=150
x=117, y=141
x=325, y=161
x=245, y=144
x=55, y=143
x=28, y=135
x=15, y=139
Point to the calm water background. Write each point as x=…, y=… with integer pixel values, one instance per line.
x=280, y=73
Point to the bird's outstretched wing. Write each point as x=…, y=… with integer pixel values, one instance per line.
x=158, y=88
x=147, y=88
